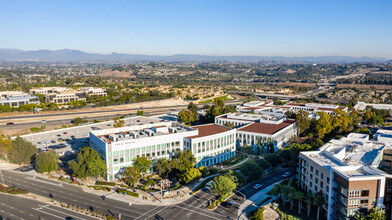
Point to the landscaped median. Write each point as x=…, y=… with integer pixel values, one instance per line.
x=127, y=192
x=215, y=204
x=12, y=190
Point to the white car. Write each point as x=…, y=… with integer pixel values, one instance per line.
x=257, y=186
x=286, y=174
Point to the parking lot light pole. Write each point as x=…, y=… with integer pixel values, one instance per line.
x=239, y=217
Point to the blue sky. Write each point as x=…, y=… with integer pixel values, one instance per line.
x=207, y=27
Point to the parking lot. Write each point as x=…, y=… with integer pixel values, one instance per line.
x=70, y=140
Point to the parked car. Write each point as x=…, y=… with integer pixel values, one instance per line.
x=257, y=186
x=227, y=204
x=286, y=174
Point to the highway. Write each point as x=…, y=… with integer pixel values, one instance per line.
x=75, y=195
x=193, y=208
x=12, y=207
x=59, y=122
x=58, y=119
x=122, y=110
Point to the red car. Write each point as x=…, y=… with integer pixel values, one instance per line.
x=65, y=133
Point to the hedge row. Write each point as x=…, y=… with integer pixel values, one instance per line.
x=98, y=183
x=129, y=193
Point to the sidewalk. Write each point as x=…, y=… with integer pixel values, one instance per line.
x=238, y=164
x=154, y=199
x=252, y=203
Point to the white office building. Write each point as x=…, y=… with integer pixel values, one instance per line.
x=268, y=108
x=256, y=129
x=147, y=137
x=18, y=100
x=212, y=145
x=6, y=94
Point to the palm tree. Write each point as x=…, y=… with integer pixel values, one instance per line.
x=318, y=201
x=291, y=197
x=299, y=195
x=309, y=202
x=276, y=191
x=284, y=192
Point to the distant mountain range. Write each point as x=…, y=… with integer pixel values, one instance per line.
x=67, y=55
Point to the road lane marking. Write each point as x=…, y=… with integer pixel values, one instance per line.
x=202, y=209
x=43, y=181
x=206, y=201
x=157, y=212
x=63, y=213
x=48, y=213
x=196, y=212
x=148, y=211
x=128, y=210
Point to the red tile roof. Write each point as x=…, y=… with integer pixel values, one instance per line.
x=209, y=129
x=326, y=109
x=252, y=108
x=264, y=128
x=296, y=104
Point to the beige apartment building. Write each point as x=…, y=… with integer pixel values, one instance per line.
x=61, y=95
x=353, y=173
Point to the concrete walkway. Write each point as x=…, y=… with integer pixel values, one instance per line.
x=235, y=165
x=114, y=195
x=253, y=202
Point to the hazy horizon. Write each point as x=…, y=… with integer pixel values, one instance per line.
x=201, y=27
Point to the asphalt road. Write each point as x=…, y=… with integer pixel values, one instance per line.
x=59, y=122
x=75, y=195
x=193, y=208
x=12, y=207
x=249, y=191
x=91, y=110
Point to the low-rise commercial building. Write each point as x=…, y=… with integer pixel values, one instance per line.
x=350, y=172
x=6, y=94
x=268, y=108
x=65, y=97
x=60, y=95
x=18, y=100
x=256, y=130
x=120, y=146
x=362, y=106
x=93, y=91
x=212, y=145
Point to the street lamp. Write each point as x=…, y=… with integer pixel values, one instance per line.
x=239, y=217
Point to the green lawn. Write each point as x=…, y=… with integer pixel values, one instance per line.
x=234, y=160
x=225, y=98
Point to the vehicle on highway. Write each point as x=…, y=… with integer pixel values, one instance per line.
x=257, y=186
x=10, y=123
x=286, y=174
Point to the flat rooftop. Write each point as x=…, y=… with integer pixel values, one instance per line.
x=251, y=117
x=209, y=129
x=265, y=128
x=139, y=131
x=353, y=150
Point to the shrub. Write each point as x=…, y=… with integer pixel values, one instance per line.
x=99, y=183
x=129, y=193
